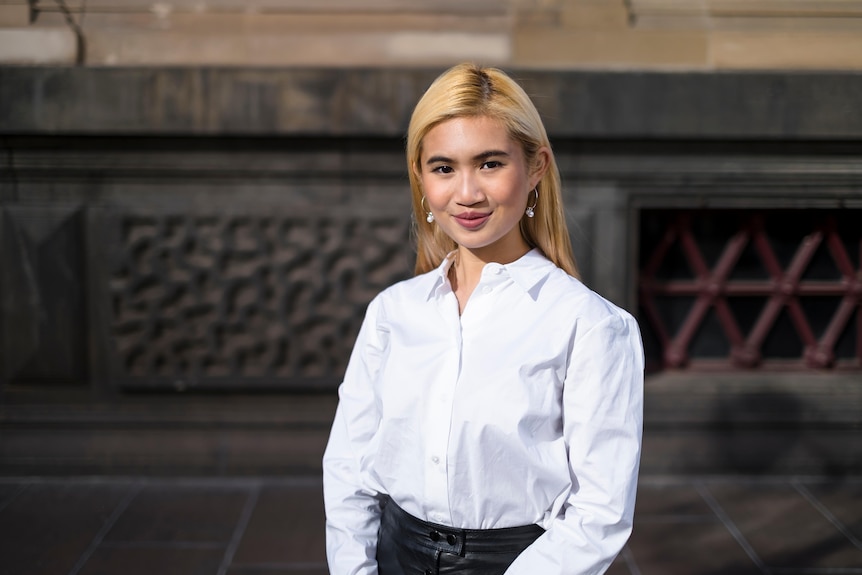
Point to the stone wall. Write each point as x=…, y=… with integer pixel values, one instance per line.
x=226, y=227
x=171, y=234
x=560, y=34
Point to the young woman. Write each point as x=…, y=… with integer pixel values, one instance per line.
x=490, y=417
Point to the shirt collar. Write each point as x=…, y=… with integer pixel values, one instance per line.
x=440, y=277
x=527, y=272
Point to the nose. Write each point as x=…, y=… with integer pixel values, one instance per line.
x=469, y=189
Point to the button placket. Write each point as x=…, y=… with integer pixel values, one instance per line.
x=439, y=416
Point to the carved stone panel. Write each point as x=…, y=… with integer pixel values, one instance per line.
x=244, y=301
x=42, y=295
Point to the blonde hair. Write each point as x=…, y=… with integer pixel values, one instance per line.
x=467, y=90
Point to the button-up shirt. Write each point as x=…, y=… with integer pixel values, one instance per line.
x=525, y=408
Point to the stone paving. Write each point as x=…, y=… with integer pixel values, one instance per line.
x=272, y=526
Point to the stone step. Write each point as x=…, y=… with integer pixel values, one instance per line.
x=166, y=435
x=694, y=424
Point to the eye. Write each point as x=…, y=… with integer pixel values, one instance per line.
x=442, y=170
x=490, y=164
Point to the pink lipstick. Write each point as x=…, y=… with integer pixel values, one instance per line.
x=472, y=220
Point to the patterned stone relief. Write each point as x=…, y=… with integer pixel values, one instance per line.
x=197, y=297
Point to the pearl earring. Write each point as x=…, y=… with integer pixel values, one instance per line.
x=531, y=210
x=429, y=217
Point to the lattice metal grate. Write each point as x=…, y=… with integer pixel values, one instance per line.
x=742, y=289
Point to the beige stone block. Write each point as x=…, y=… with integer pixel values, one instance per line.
x=804, y=50
x=606, y=15
x=319, y=49
x=251, y=23
x=448, y=47
x=14, y=15
x=270, y=6
x=568, y=3
x=749, y=23
x=747, y=14
x=37, y=46
x=616, y=50
x=798, y=8
x=670, y=11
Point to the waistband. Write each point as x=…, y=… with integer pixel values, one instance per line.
x=460, y=541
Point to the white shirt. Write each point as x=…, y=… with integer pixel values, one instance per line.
x=527, y=408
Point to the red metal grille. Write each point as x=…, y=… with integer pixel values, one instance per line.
x=736, y=289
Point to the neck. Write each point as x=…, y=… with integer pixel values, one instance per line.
x=467, y=268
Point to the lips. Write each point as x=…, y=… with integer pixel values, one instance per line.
x=472, y=220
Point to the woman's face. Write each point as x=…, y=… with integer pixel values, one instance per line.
x=476, y=182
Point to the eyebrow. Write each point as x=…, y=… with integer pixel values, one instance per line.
x=477, y=157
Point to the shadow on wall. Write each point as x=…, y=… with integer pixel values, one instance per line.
x=753, y=423
x=776, y=432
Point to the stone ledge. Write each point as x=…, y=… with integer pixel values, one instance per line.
x=33, y=409
x=168, y=451
x=694, y=423
x=756, y=400
x=164, y=435
x=378, y=102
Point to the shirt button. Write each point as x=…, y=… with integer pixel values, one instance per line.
x=435, y=459
x=486, y=289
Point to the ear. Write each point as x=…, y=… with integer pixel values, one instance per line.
x=416, y=164
x=541, y=163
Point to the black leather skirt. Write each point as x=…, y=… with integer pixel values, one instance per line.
x=407, y=545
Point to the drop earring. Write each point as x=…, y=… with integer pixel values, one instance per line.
x=429, y=217
x=531, y=210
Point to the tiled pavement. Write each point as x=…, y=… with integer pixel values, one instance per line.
x=248, y=526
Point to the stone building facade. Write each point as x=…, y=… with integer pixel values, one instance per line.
x=198, y=199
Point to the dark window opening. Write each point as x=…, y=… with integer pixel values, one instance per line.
x=743, y=289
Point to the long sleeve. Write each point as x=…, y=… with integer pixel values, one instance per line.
x=352, y=506
x=602, y=427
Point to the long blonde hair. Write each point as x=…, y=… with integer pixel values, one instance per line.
x=467, y=90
